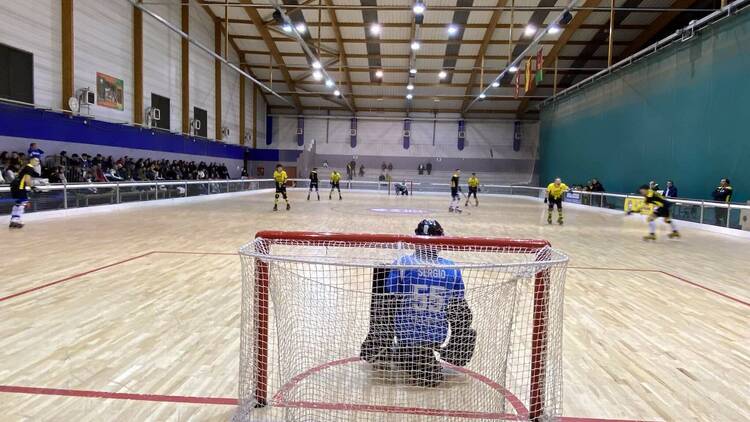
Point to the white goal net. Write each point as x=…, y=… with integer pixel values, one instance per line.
x=364, y=327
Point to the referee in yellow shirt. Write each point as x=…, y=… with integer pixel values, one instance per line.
x=555, y=192
x=473, y=188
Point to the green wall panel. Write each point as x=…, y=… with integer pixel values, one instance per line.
x=681, y=114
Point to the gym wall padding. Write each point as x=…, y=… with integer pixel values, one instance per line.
x=681, y=114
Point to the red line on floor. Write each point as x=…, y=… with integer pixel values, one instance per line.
x=676, y=277
x=117, y=396
x=577, y=419
x=71, y=277
x=163, y=398
x=194, y=253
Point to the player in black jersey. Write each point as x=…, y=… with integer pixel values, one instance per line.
x=662, y=209
x=455, y=188
x=313, y=183
x=19, y=188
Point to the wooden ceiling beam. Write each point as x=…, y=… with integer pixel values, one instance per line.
x=274, y=108
x=567, y=34
x=486, y=41
x=406, y=56
x=254, y=16
x=236, y=48
x=342, y=51
x=439, y=25
x=656, y=26
x=408, y=41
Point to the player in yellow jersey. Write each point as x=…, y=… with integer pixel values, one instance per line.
x=280, y=177
x=473, y=188
x=335, y=179
x=662, y=208
x=555, y=192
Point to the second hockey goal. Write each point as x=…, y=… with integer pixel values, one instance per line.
x=367, y=327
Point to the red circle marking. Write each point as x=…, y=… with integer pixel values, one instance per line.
x=279, y=399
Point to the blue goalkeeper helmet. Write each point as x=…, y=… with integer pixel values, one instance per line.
x=429, y=228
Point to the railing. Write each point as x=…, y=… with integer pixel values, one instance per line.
x=78, y=195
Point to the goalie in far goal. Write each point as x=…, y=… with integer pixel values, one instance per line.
x=411, y=311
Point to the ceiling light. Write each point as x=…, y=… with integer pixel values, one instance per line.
x=316, y=65
x=452, y=30
x=495, y=84
x=554, y=29
x=375, y=29
x=329, y=83
x=482, y=96
x=378, y=73
x=413, y=71
x=337, y=93
x=443, y=74
x=301, y=27
x=513, y=69
x=529, y=30
x=409, y=96
x=418, y=8
x=317, y=75
x=415, y=45
x=287, y=28
x=410, y=87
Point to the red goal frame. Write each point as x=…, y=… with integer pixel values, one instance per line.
x=540, y=309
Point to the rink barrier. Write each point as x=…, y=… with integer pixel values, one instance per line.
x=81, y=195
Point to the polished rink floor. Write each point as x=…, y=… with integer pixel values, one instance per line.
x=134, y=315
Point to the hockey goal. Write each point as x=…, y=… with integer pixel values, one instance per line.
x=371, y=327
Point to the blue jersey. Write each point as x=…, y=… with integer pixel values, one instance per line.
x=426, y=292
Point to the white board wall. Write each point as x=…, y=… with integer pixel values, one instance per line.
x=103, y=43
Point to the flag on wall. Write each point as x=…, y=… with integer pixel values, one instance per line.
x=528, y=75
x=300, y=131
x=407, y=133
x=353, y=132
x=461, y=134
x=539, y=65
x=269, y=130
x=517, y=82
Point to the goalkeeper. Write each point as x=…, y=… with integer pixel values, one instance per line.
x=416, y=306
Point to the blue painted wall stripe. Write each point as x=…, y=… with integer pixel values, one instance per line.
x=24, y=122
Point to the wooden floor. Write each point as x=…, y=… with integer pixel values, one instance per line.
x=134, y=315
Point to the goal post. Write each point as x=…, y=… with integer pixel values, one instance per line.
x=314, y=303
x=397, y=187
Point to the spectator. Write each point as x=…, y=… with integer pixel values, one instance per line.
x=244, y=174
x=722, y=193
x=420, y=169
x=390, y=167
x=596, y=186
x=381, y=178
x=361, y=170
x=670, y=191
x=428, y=167
x=384, y=166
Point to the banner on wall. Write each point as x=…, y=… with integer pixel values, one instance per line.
x=269, y=130
x=300, y=131
x=516, y=136
x=353, y=132
x=461, y=134
x=407, y=133
x=110, y=92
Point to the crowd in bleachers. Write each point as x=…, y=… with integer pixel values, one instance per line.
x=64, y=168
